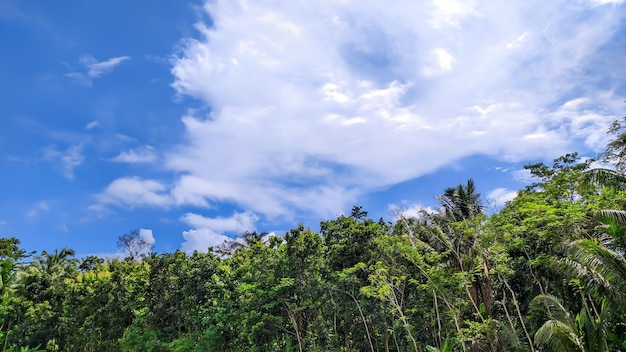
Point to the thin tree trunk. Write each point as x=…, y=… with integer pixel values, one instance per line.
x=292, y=316
x=519, y=313
x=358, y=305
x=438, y=320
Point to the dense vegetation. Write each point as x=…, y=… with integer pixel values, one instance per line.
x=547, y=272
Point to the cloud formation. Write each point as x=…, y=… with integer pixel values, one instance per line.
x=134, y=191
x=145, y=154
x=316, y=103
x=37, y=209
x=94, y=68
x=66, y=161
x=207, y=232
x=500, y=196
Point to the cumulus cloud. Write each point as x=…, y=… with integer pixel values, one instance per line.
x=207, y=232
x=145, y=154
x=94, y=68
x=66, y=161
x=147, y=236
x=134, y=191
x=500, y=196
x=314, y=104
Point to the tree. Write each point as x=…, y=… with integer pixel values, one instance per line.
x=245, y=240
x=57, y=263
x=461, y=202
x=10, y=249
x=566, y=332
x=134, y=245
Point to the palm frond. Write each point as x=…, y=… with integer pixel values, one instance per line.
x=602, y=177
x=557, y=336
x=555, y=309
x=600, y=265
x=611, y=216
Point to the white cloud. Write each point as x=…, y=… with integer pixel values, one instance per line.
x=147, y=236
x=606, y=2
x=316, y=103
x=524, y=176
x=134, y=191
x=94, y=68
x=37, y=208
x=208, y=232
x=3, y=222
x=441, y=61
x=66, y=161
x=500, y=196
x=409, y=211
x=92, y=125
x=517, y=42
x=451, y=12
x=145, y=154
x=98, y=68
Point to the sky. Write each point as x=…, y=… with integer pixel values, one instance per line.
x=196, y=121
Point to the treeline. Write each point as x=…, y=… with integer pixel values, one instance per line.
x=545, y=273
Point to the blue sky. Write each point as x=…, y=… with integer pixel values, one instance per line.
x=196, y=120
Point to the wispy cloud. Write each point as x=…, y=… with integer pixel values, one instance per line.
x=92, y=125
x=94, y=68
x=98, y=68
x=145, y=154
x=66, y=161
x=37, y=208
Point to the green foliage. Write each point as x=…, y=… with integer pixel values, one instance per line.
x=453, y=279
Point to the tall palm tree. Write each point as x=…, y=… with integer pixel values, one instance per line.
x=461, y=202
x=445, y=231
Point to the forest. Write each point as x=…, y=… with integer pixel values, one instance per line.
x=545, y=273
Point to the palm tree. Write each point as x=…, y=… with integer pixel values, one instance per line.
x=449, y=231
x=566, y=332
x=461, y=202
x=601, y=269
x=600, y=261
x=55, y=263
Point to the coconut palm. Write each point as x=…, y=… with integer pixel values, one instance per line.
x=55, y=263
x=461, y=202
